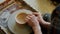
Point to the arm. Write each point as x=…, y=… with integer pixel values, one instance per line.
x=45, y=24
x=37, y=30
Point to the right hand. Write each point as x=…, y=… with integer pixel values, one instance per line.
x=32, y=20
x=34, y=23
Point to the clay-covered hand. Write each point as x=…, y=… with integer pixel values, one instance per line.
x=32, y=20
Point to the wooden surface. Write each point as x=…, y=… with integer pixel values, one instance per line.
x=46, y=6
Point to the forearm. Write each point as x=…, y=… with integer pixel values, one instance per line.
x=45, y=24
x=37, y=30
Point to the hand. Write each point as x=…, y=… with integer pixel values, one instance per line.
x=39, y=16
x=32, y=20
x=40, y=19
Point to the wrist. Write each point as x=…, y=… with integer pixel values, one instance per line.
x=37, y=30
x=36, y=24
x=36, y=27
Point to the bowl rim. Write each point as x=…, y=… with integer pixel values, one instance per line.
x=22, y=11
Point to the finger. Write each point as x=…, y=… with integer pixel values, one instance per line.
x=28, y=17
x=26, y=20
x=32, y=16
x=36, y=13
